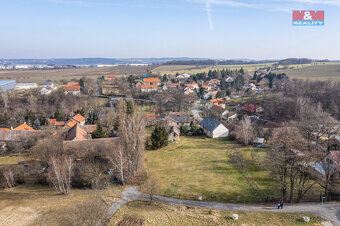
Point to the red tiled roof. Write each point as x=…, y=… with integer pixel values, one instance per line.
x=151, y=80
x=71, y=123
x=79, y=118
x=73, y=84
x=52, y=121
x=76, y=133
x=24, y=127
x=72, y=88
x=250, y=107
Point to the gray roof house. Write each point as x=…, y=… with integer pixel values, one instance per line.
x=179, y=119
x=213, y=128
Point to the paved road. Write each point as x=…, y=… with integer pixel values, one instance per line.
x=196, y=112
x=331, y=210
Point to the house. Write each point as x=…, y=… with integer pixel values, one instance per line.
x=173, y=85
x=210, y=95
x=49, y=85
x=218, y=102
x=188, y=90
x=331, y=164
x=148, y=88
x=251, y=108
x=48, y=88
x=24, y=127
x=79, y=119
x=151, y=81
x=110, y=77
x=213, y=128
x=214, y=82
x=231, y=116
x=75, y=90
x=219, y=112
x=174, y=134
x=56, y=124
x=206, y=87
x=178, y=120
x=25, y=86
x=45, y=91
x=229, y=80
x=77, y=132
x=184, y=76
x=192, y=85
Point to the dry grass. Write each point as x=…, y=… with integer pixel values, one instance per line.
x=314, y=72
x=200, y=166
x=166, y=214
x=42, y=205
x=39, y=76
x=12, y=159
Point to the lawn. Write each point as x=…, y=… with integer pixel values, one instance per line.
x=141, y=213
x=199, y=166
x=41, y=205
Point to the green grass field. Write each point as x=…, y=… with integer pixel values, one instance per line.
x=158, y=214
x=200, y=166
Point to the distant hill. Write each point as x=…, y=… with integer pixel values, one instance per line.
x=215, y=62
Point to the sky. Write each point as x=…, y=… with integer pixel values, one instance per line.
x=227, y=29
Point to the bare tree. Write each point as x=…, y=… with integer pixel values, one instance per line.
x=246, y=132
x=118, y=160
x=88, y=213
x=60, y=174
x=9, y=178
x=151, y=188
x=132, y=135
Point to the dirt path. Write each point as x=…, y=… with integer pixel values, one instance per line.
x=331, y=210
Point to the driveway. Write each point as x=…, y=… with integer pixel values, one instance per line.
x=331, y=210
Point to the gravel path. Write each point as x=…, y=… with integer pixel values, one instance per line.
x=331, y=210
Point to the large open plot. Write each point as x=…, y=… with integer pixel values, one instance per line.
x=141, y=213
x=200, y=166
x=39, y=76
x=315, y=72
x=41, y=205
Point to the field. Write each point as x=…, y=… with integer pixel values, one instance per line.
x=193, y=69
x=318, y=72
x=141, y=213
x=198, y=166
x=40, y=205
x=39, y=76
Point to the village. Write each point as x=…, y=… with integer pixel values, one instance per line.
x=92, y=133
